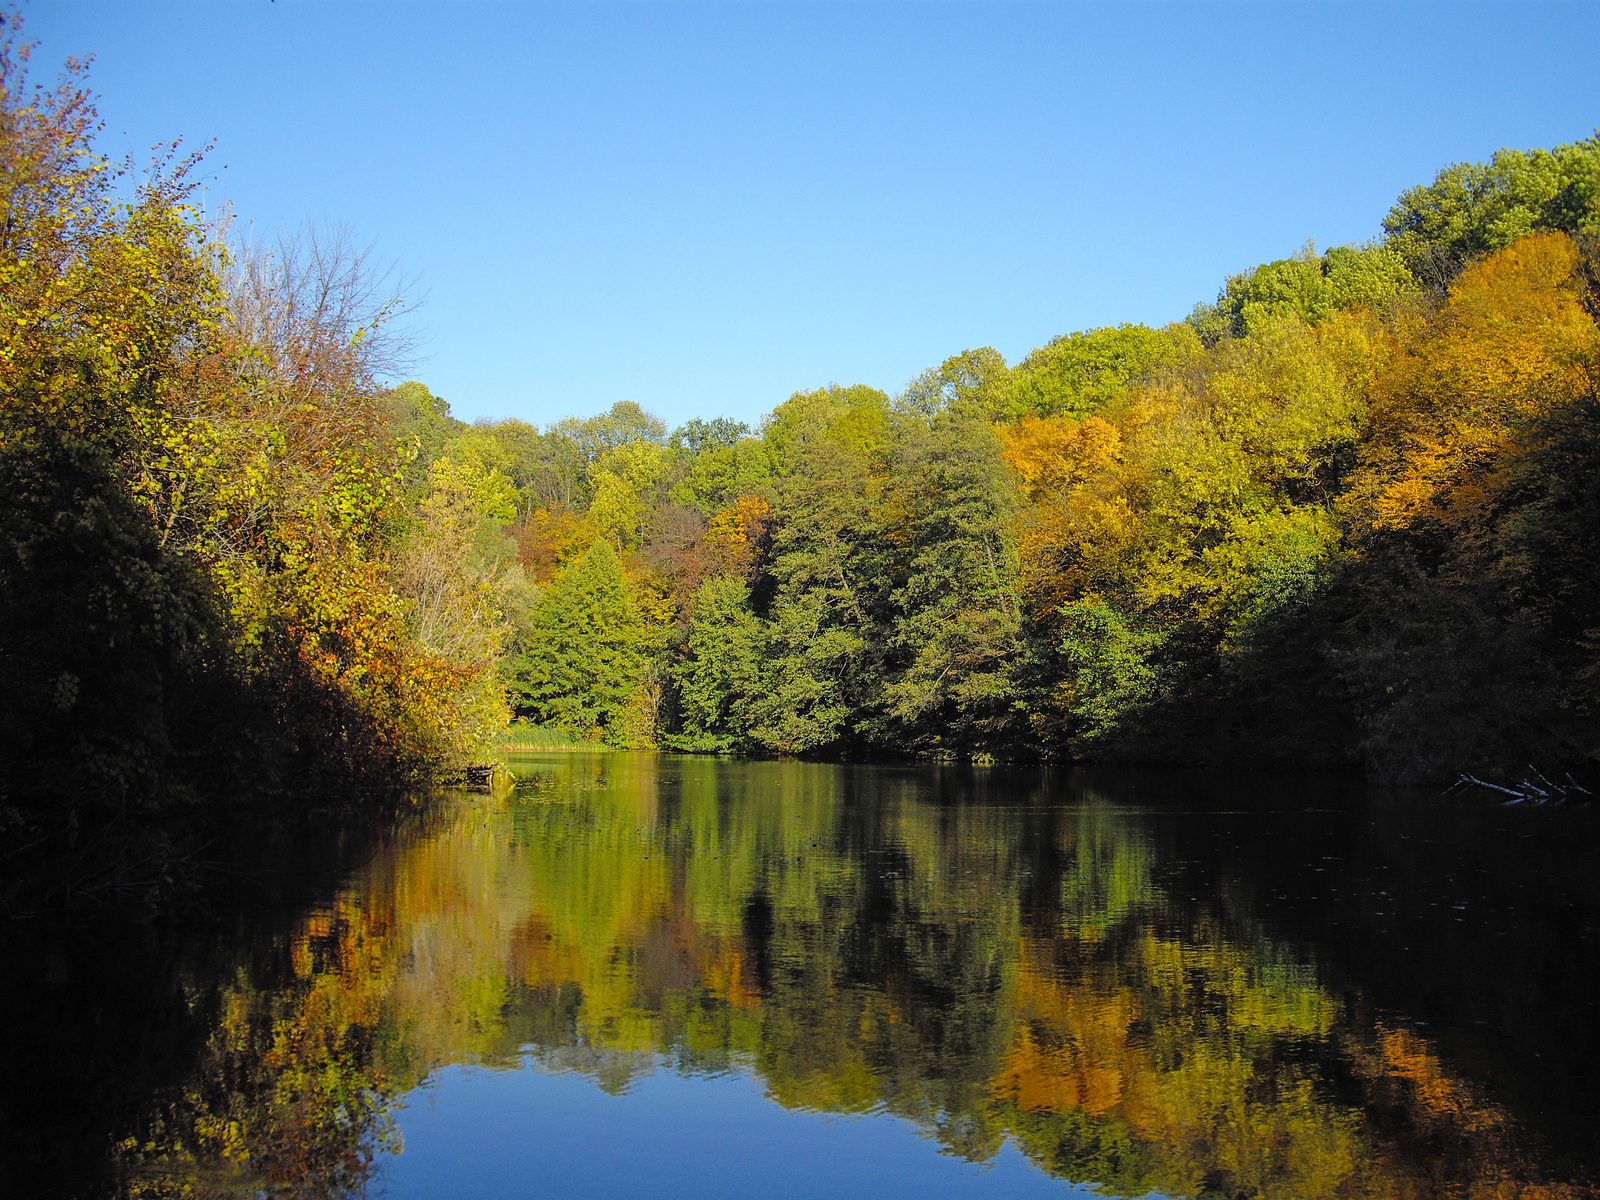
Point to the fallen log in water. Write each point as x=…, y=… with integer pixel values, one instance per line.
x=1539, y=793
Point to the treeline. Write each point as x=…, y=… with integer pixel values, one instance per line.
x=1344, y=516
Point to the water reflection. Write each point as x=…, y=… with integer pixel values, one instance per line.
x=1144, y=989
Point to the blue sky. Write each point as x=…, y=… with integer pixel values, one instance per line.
x=702, y=208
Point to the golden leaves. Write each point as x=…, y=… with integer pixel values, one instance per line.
x=1513, y=343
x=735, y=534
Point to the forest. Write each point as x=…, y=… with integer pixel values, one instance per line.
x=1344, y=517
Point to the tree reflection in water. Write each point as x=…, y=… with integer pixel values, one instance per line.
x=1127, y=991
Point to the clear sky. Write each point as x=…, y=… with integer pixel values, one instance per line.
x=702, y=208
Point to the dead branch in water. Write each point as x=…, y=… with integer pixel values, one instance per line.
x=1542, y=792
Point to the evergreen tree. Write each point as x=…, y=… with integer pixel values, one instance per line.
x=583, y=656
x=719, y=676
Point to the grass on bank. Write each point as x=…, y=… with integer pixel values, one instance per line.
x=522, y=735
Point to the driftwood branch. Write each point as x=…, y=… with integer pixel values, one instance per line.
x=1540, y=793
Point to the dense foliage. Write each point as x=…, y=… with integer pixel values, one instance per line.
x=1346, y=515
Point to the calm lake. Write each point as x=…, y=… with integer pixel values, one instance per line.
x=639, y=975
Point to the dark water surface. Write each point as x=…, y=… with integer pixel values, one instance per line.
x=658, y=976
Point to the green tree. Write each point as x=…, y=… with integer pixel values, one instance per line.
x=830, y=571
x=1307, y=286
x=719, y=474
x=695, y=436
x=954, y=643
x=719, y=675
x=623, y=424
x=855, y=416
x=1472, y=209
x=1113, y=668
x=584, y=656
x=623, y=481
x=570, y=448
x=1082, y=373
x=418, y=417
x=978, y=377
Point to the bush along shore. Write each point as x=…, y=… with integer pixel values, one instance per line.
x=1344, y=517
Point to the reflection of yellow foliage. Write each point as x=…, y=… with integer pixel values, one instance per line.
x=539, y=958
x=1152, y=1061
x=723, y=974
x=1401, y=1055
x=1070, y=1049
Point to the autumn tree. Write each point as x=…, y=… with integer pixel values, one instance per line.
x=111, y=649
x=1474, y=510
